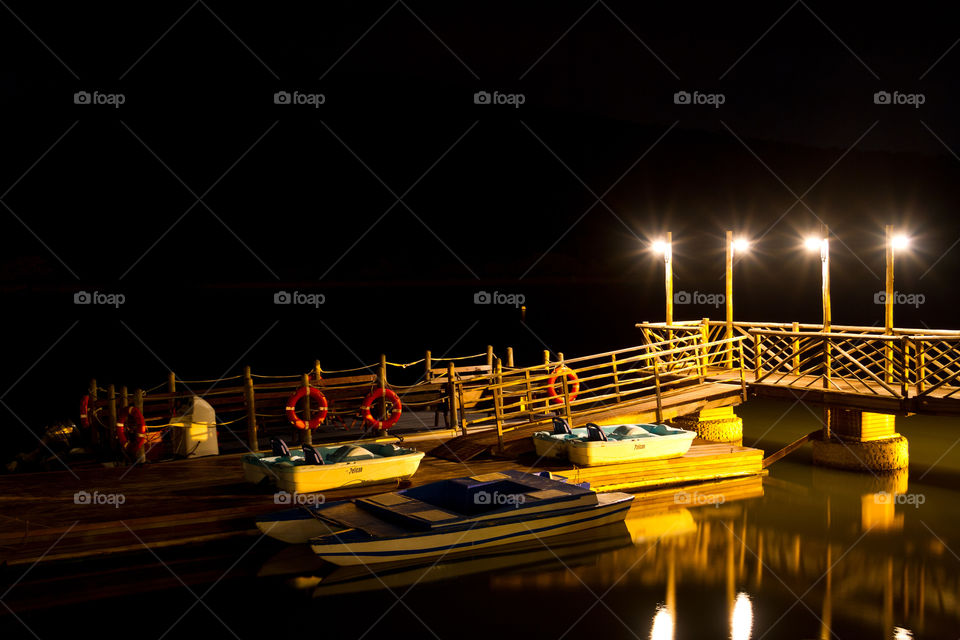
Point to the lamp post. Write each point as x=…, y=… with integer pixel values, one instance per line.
x=740, y=245
x=823, y=244
x=891, y=244
x=666, y=248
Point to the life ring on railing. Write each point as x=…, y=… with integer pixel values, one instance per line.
x=85, y=411
x=389, y=395
x=315, y=396
x=131, y=418
x=574, y=388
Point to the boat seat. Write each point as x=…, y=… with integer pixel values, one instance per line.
x=311, y=455
x=349, y=453
x=279, y=447
x=630, y=431
x=595, y=433
x=661, y=430
x=560, y=427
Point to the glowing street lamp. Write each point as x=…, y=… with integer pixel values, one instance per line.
x=822, y=243
x=666, y=248
x=734, y=246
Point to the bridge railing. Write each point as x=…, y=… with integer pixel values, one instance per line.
x=870, y=360
x=578, y=386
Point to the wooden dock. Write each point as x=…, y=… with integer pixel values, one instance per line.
x=203, y=500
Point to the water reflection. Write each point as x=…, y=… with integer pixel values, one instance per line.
x=741, y=620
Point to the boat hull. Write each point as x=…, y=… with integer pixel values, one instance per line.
x=612, y=508
x=326, y=477
x=586, y=454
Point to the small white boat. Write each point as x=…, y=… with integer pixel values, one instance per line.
x=327, y=468
x=475, y=513
x=594, y=445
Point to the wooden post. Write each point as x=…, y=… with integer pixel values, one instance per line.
x=510, y=357
x=743, y=377
x=172, y=389
x=452, y=389
x=529, y=393
x=921, y=365
x=567, y=410
x=616, y=375
x=656, y=383
x=141, y=442
x=546, y=359
x=306, y=435
x=490, y=358
x=826, y=362
x=94, y=426
x=702, y=349
x=111, y=411
x=498, y=403
x=382, y=375
x=317, y=372
x=757, y=360
x=252, y=440
x=427, y=365
x=138, y=399
x=796, y=350
x=728, y=300
x=124, y=397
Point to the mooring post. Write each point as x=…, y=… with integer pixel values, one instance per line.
x=317, y=372
x=490, y=358
x=452, y=401
x=306, y=435
x=138, y=399
x=172, y=390
x=111, y=410
x=382, y=375
x=94, y=426
x=124, y=397
x=498, y=403
x=248, y=390
x=427, y=365
x=546, y=358
x=510, y=357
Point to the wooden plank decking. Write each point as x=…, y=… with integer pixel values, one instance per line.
x=201, y=500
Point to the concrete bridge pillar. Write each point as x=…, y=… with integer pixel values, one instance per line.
x=861, y=441
x=716, y=425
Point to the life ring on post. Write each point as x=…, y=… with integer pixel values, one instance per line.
x=131, y=419
x=573, y=390
x=389, y=395
x=315, y=396
x=85, y=411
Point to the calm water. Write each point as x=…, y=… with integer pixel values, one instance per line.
x=803, y=553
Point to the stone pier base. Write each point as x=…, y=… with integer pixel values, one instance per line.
x=716, y=425
x=862, y=441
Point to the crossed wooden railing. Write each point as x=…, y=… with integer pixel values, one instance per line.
x=901, y=363
x=580, y=386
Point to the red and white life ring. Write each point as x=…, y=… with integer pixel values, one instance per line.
x=85, y=412
x=389, y=395
x=573, y=389
x=318, y=402
x=131, y=418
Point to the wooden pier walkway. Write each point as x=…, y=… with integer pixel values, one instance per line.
x=205, y=500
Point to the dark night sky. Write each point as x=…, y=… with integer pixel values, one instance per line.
x=492, y=197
